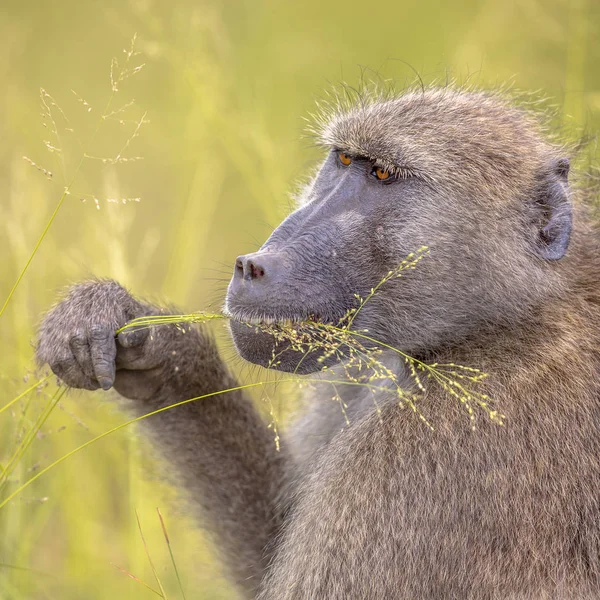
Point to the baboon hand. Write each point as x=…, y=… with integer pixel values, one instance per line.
x=78, y=339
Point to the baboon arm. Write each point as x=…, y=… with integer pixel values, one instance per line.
x=219, y=445
x=226, y=457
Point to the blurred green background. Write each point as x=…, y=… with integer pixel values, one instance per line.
x=225, y=88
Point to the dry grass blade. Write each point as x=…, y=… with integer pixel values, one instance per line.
x=138, y=580
x=164, y=528
x=162, y=590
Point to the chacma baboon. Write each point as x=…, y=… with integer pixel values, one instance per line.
x=384, y=507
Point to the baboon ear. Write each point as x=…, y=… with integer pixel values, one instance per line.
x=557, y=219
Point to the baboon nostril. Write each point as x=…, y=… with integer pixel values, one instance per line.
x=255, y=271
x=238, y=271
x=248, y=268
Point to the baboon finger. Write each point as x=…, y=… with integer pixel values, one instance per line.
x=133, y=337
x=103, y=352
x=138, y=358
x=81, y=351
x=69, y=371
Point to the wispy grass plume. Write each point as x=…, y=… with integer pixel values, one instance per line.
x=51, y=112
x=359, y=353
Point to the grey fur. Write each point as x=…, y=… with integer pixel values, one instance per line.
x=383, y=507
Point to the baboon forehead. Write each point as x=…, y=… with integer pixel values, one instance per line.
x=436, y=131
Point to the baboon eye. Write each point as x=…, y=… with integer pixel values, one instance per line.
x=381, y=174
x=344, y=158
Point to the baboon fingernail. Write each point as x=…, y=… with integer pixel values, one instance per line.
x=105, y=383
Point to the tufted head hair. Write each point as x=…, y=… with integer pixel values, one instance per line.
x=463, y=138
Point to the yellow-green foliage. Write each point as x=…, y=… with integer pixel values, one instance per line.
x=216, y=114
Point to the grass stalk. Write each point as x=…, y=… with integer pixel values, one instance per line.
x=30, y=436
x=116, y=79
x=163, y=594
x=138, y=580
x=163, y=409
x=164, y=528
x=23, y=394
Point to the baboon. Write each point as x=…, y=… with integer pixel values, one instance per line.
x=383, y=507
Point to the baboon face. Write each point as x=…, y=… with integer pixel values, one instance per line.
x=465, y=175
